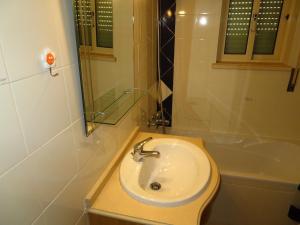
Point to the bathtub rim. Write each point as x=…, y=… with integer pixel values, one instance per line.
x=257, y=181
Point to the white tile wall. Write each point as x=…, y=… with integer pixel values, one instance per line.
x=83, y=220
x=53, y=166
x=27, y=27
x=19, y=203
x=41, y=220
x=11, y=152
x=41, y=99
x=3, y=72
x=47, y=165
x=72, y=82
x=228, y=101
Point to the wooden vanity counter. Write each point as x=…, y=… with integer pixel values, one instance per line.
x=108, y=199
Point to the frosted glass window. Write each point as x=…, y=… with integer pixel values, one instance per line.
x=104, y=28
x=267, y=26
x=237, y=32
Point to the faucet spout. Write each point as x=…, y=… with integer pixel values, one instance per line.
x=139, y=153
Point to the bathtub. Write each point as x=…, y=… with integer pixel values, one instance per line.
x=259, y=181
x=267, y=160
x=259, y=178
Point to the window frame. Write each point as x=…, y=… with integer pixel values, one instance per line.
x=93, y=51
x=249, y=57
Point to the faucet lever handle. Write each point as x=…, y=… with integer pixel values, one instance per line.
x=139, y=146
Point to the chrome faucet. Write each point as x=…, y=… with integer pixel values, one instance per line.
x=139, y=153
x=158, y=120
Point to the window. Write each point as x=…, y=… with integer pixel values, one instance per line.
x=94, y=20
x=254, y=30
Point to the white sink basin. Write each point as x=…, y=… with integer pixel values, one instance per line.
x=182, y=171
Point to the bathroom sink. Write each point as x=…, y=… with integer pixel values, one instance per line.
x=178, y=176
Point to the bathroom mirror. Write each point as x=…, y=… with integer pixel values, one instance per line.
x=104, y=36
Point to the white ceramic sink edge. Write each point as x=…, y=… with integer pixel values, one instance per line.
x=183, y=171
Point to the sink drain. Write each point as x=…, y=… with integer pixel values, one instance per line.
x=155, y=186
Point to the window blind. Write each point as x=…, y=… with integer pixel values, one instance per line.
x=104, y=23
x=267, y=26
x=237, y=32
x=83, y=20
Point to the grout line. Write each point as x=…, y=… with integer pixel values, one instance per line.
x=56, y=197
x=19, y=114
x=79, y=219
x=37, y=150
x=67, y=91
x=167, y=42
x=41, y=72
x=165, y=73
x=19, y=121
x=167, y=58
x=2, y=59
x=75, y=147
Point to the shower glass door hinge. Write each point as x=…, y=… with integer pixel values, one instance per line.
x=293, y=79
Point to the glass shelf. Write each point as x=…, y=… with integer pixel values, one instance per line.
x=112, y=113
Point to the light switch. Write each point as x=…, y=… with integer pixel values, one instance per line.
x=3, y=73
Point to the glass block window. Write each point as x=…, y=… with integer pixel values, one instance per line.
x=267, y=26
x=238, y=23
x=104, y=26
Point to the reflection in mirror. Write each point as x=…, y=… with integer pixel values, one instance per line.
x=104, y=32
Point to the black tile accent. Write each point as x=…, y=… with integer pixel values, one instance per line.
x=165, y=64
x=165, y=5
x=168, y=49
x=165, y=34
x=167, y=105
x=167, y=78
x=168, y=18
x=167, y=21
